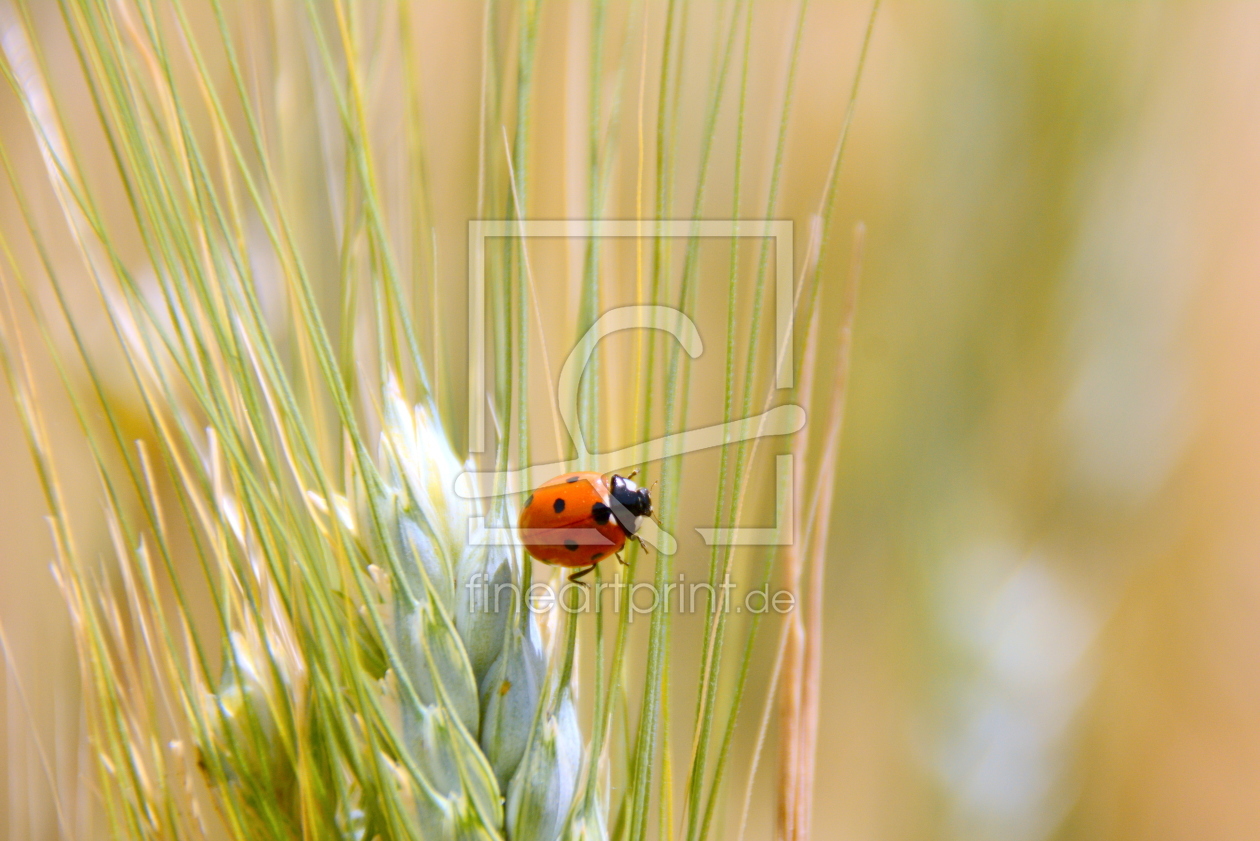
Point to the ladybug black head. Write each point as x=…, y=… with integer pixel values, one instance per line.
x=632, y=502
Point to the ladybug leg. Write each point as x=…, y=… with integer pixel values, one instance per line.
x=621, y=559
x=629, y=475
x=575, y=576
x=642, y=545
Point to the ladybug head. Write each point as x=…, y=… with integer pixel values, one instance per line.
x=632, y=501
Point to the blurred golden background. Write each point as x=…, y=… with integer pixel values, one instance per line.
x=1043, y=603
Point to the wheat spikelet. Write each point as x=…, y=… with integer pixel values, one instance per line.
x=473, y=657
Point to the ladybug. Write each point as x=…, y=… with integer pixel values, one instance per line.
x=576, y=519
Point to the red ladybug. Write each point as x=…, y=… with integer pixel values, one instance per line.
x=576, y=519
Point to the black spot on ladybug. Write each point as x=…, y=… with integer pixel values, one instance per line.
x=571, y=480
x=571, y=545
x=529, y=501
x=601, y=512
x=597, y=556
x=558, y=505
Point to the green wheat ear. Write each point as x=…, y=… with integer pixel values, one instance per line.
x=473, y=658
x=286, y=641
x=491, y=751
